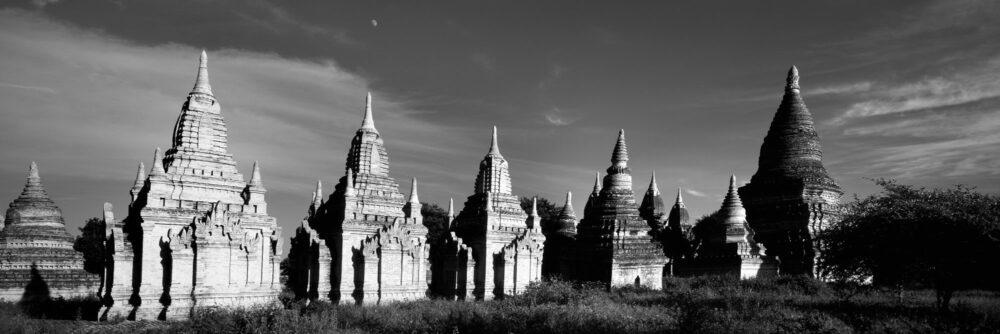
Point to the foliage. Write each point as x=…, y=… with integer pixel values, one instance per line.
x=704, y=227
x=713, y=304
x=547, y=210
x=91, y=244
x=945, y=238
x=436, y=221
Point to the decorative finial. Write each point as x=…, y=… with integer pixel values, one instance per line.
x=201, y=83
x=413, y=192
x=620, y=155
x=319, y=191
x=33, y=171
x=567, y=211
x=732, y=197
x=140, y=175
x=368, y=123
x=451, y=208
x=597, y=184
x=157, y=169
x=534, y=207
x=349, y=184
x=494, y=145
x=255, y=176
x=792, y=83
x=569, y=198
x=652, y=185
x=680, y=199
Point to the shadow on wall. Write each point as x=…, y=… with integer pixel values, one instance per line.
x=37, y=302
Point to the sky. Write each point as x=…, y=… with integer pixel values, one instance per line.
x=908, y=90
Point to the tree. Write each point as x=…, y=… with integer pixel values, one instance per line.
x=548, y=211
x=91, y=243
x=907, y=236
x=436, y=221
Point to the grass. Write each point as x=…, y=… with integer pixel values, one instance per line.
x=686, y=305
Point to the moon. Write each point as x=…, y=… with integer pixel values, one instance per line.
x=374, y=23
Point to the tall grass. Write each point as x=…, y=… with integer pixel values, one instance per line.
x=686, y=305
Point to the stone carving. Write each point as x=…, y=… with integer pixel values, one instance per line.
x=37, y=259
x=189, y=220
x=491, y=221
x=791, y=198
x=615, y=244
x=365, y=244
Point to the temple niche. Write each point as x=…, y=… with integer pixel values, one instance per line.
x=495, y=248
x=196, y=234
x=37, y=260
x=726, y=246
x=615, y=245
x=791, y=198
x=367, y=244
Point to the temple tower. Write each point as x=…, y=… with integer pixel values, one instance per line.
x=37, y=260
x=506, y=242
x=196, y=234
x=678, y=217
x=373, y=241
x=653, y=209
x=727, y=245
x=614, y=241
x=560, y=242
x=791, y=198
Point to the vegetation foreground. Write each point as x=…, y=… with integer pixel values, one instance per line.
x=704, y=304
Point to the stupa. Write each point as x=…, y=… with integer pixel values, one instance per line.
x=505, y=242
x=727, y=245
x=37, y=260
x=560, y=244
x=791, y=198
x=615, y=244
x=653, y=209
x=196, y=234
x=368, y=240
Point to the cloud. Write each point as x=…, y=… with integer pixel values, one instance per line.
x=555, y=73
x=43, y=3
x=88, y=107
x=278, y=20
x=558, y=117
x=857, y=87
x=695, y=193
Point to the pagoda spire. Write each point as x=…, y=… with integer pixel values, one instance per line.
x=653, y=188
x=201, y=84
x=732, y=200
x=157, y=171
x=792, y=82
x=33, y=188
x=567, y=210
x=413, y=192
x=318, y=197
x=369, y=122
x=451, y=209
x=597, y=184
x=255, y=181
x=534, y=207
x=494, y=146
x=140, y=176
x=349, y=184
x=619, y=158
x=680, y=199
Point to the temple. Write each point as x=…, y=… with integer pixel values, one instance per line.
x=726, y=246
x=653, y=209
x=504, y=241
x=196, y=234
x=367, y=244
x=615, y=244
x=560, y=240
x=38, y=261
x=791, y=198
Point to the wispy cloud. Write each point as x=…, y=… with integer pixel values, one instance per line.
x=559, y=117
x=555, y=73
x=695, y=193
x=851, y=88
x=28, y=88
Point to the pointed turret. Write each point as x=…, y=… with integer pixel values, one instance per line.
x=566, y=222
x=414, y=198
x=140, y=181
x=678, y=216
x=201, y=84
x=349, y=184
x=255, y=181
x=620, y=155
x=33, y=188
x=734, y=216
x=157, y=172
x=33, y=207
x=369, y=122
x=451, y=210
x=597, y=184
x=792, y=82
x=534, y=207
x=318, y=197
x=494, y=146
x=653, y=209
